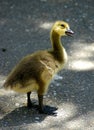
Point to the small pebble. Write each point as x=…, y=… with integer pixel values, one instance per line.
x=48, y=96
x=3, y=49
x=65, y=6
x=57, y=84
x=17, y=104
x=37, y=119
x=27, y=30
x=58, y=77
x=43, y=0
x=55, y=93
x=10, y=29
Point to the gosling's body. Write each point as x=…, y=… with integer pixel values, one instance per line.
x=35, y=72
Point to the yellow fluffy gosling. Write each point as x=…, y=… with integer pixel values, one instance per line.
x=35, y=72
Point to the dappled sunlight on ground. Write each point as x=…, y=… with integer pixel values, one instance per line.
x=70, y=119
x=2, y=79
x=82, y=56
x=82, y=65
x=46, y=25
x=3, y=92
x=66, y=111
x=83, y=122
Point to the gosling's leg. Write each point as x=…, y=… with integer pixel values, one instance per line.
x=29, y=103
x=47, y=109
x=40, y=99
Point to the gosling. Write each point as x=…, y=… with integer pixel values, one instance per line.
x=35, y=71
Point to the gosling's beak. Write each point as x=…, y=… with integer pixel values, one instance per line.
x=69, y=32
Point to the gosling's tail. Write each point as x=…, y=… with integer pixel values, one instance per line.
x=7, y=85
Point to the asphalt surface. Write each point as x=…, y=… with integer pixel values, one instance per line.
x=24, y=28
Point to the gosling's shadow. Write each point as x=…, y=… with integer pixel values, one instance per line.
x=23, y=115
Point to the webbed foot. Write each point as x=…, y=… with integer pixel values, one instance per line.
x=48, y=110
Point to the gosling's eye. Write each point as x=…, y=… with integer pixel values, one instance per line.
x=62, y=25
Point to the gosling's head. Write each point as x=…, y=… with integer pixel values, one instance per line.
x=62, y=29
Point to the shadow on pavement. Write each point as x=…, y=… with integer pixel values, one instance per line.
x=23, y=115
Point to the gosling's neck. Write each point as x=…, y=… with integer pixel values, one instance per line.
x=57, y=48
x=56, y=42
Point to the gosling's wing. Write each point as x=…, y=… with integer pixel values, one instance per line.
x=27, y=68
x=40, y=66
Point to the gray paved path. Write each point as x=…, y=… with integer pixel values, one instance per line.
x=24, y=28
